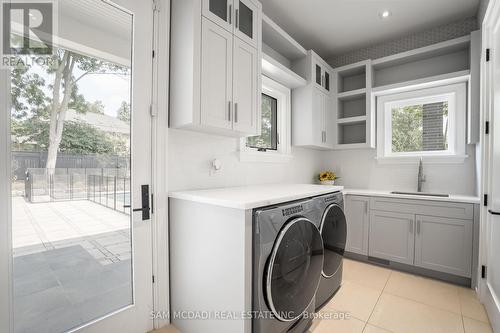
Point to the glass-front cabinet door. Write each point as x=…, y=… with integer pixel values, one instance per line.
x=220, y=12
x=246, y=20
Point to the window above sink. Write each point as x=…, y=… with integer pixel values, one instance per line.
x=428, y=123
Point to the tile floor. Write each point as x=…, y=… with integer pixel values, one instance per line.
x=381, y=300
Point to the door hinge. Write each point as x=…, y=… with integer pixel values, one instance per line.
x=485, y=200
x=483, y=272
x=487, y=54
x=152, y=203
x=156, y=5
x=152, y=110
x=487, y=127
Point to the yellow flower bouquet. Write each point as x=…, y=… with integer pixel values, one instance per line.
x=327, y=178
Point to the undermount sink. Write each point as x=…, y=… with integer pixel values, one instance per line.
x=422, y=194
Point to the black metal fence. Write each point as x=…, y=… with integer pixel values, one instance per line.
x=109, y=187
x=24, y=160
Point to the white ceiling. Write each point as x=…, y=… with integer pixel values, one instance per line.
x=333, y=27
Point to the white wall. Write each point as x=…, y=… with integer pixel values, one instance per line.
x=190, y=155
x=359, y=169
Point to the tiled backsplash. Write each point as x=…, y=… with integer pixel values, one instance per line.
x=409, y=42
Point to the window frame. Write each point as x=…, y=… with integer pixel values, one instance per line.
x=283, y=119
x=274, y=137
x=454, y=94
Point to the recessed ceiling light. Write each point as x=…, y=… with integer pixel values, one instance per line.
x=385, y=14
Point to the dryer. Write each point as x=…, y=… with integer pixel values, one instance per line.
x=288, y=263
x=333, y=229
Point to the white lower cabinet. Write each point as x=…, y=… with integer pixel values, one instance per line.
x=358, y=220
x=392, y=236
x=444, y=244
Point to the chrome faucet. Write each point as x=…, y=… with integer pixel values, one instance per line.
x=421, y=176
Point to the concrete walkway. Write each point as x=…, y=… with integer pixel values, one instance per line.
x=101, y=231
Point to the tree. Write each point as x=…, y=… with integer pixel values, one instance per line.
x=407, y=129
x=63, y=90
x=96, y=107
x=31, y=101
x=124, y=111
x=77, y=138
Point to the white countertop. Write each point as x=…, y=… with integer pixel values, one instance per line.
x=378, y=193
x=249, y=197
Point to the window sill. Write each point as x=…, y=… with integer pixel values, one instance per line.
x=438, y=159
x=264, y=157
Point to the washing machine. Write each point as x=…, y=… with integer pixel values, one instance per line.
x=333, y=229
x=288, y=263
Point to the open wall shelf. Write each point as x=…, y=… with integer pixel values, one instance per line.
x=433, y=60
x=353, y=118
x=351, y=133
x=351, y=77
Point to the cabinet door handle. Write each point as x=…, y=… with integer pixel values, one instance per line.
x=418, y=227
x=235, y=112
x=229, y=111
x=236, y=17
x=230, y=14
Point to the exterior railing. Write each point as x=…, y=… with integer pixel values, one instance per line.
x=109, y=187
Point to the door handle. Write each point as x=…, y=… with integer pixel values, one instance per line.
x=229, y=110
x=145, y=209
x=418, y=227
x=230, y=14
x=493, y=212
x=235, y=112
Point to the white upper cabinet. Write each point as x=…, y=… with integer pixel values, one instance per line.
x=315, y=70
x=312, y=105
x=247, y=20
x=312, y=118
x=240, y=17
x=245, y=87
x=322, y=75
x=220, y=12
x=216, y=76
x=215, y=69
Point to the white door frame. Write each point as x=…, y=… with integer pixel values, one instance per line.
x=159, y=218
x=491, y=20
x=160, y=108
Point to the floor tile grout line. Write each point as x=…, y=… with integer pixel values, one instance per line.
x=379, y=296
x=422, y=303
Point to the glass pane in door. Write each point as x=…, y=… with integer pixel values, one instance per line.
x=327, y=81
x=219, y=8
x=245, y=20
x=70, y=130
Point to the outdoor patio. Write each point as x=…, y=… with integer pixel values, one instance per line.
x=72, y=263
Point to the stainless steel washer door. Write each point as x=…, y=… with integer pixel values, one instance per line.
x=334, y=233
x=294, y=269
